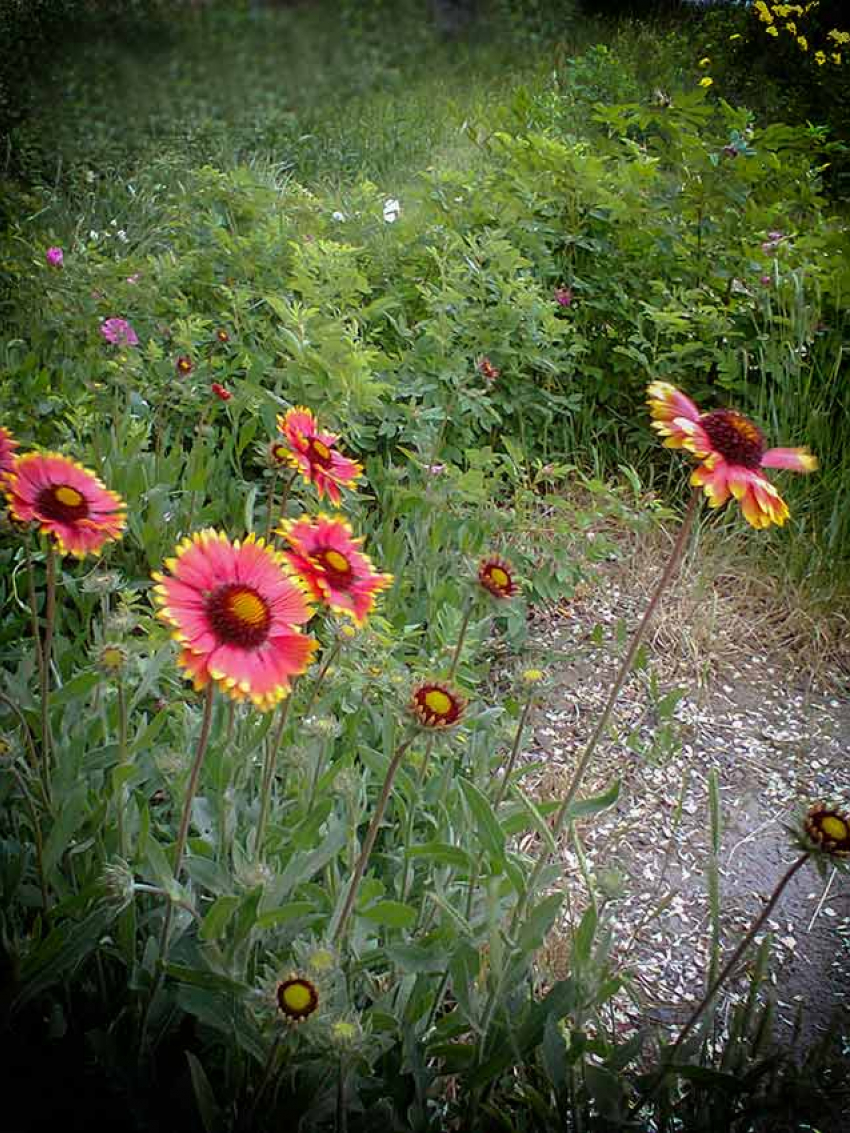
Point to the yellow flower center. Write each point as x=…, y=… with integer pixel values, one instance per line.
x=112, y=657
x=248, y=608
x=499, y=576
x=70, y=497
x=834, y=827
x=297, y=997
x=438, y=701
x=336, y=561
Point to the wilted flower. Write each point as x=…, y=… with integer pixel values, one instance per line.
x=222, y=335
x=101, y=582
x=765, y=279
x=134, y=278
x=828, y=830
x=66, y=500
x=119, y=332
x=487, y=370
x=184, y=365
x=55, y=256
x=119, y=885
x=339, y=216
x=392, y=210
x=732, y=453
x=221, y=393
x=435, y=469
x=496, y=576
x=437, y=705
x=235, y=612
x=705, y=62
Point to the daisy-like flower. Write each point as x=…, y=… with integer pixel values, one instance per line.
x=278, y=454
x=437, y=705
x=297, y=998
x=496, y=576
x=184, y=365
x=66, y=500
x=487, y=370
x=828, y=828
x=327, y=557
x=119, y=332
x=235, y=612
x=8, y=444
x=222, y=335
x=315, y=454
x=731, y=451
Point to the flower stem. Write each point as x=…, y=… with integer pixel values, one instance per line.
x=369, y=841
x=39, y=842
x=270, y=504
x=562, y=814
x=323, y=672
x=461, y=637
x=512, y=758
x=122, y=759
x=49, y=619
x=269, y=762
x=732, y=962
x=182, y=837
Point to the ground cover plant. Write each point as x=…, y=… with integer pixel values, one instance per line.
x=288, y=452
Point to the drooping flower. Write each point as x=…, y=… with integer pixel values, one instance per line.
x=112, y=658
x=235, y=612
x=496, y=576
x=222, y=335
x=184, y=365
x=297, y=998
x=828, y=829
x=66, y=500
x=119, y=332
x=327, y=557
x=55, y=257
x=315, y=454
x=278, y=454
x=487, y=370
x=8, y=444
x=437, y=705
x=221, y=393
x=563, y=296
x=731, y=451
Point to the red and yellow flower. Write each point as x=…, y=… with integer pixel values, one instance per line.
x=731, y=450
x=437, y=705
x=315, y=455
x=327, y=557
x=235, y=611
x=828, y=829
x=66, y=500
x=297, y=998
x=496, y=575
x=8, y=444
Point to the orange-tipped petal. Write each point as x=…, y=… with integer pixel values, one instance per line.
x=793, y=459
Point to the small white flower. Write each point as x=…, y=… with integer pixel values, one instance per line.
x=122, y=235
x=93, y=235
x=90, y=176
x=392, y=210
x=337, y=215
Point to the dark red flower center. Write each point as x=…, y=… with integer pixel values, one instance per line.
x=318, y=452
x=734, y=436
x=62, y=503
x=239, y=615
x=297, y=998
x=336, y=566
x=437, y=706
x=495, y=576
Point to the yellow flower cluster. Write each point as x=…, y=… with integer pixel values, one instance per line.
x=768, y=14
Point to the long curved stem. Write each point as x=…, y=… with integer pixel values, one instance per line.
x=369, y=841
x=122, y=759
x=512, y=758
x=461, y=637
x=39, y=842
x=47, y=649
x=562, y=813
x=269, y=763
x=180, y=849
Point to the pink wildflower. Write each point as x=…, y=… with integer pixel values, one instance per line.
x=119, y=332
x=55, y=257
x=563, y=296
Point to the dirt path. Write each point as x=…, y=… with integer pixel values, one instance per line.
x=776, y=749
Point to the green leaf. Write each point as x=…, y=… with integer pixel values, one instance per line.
x=77, y=687
x=61, y=951
x=415, y=958
x=289, y=912
x=444, y=853
x=208, y=1107
x=583, y=939
x=71, y=817
x=220, y=912
x=490, y=833
x=392, y=914
x=595, y=803
x=539, y=921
